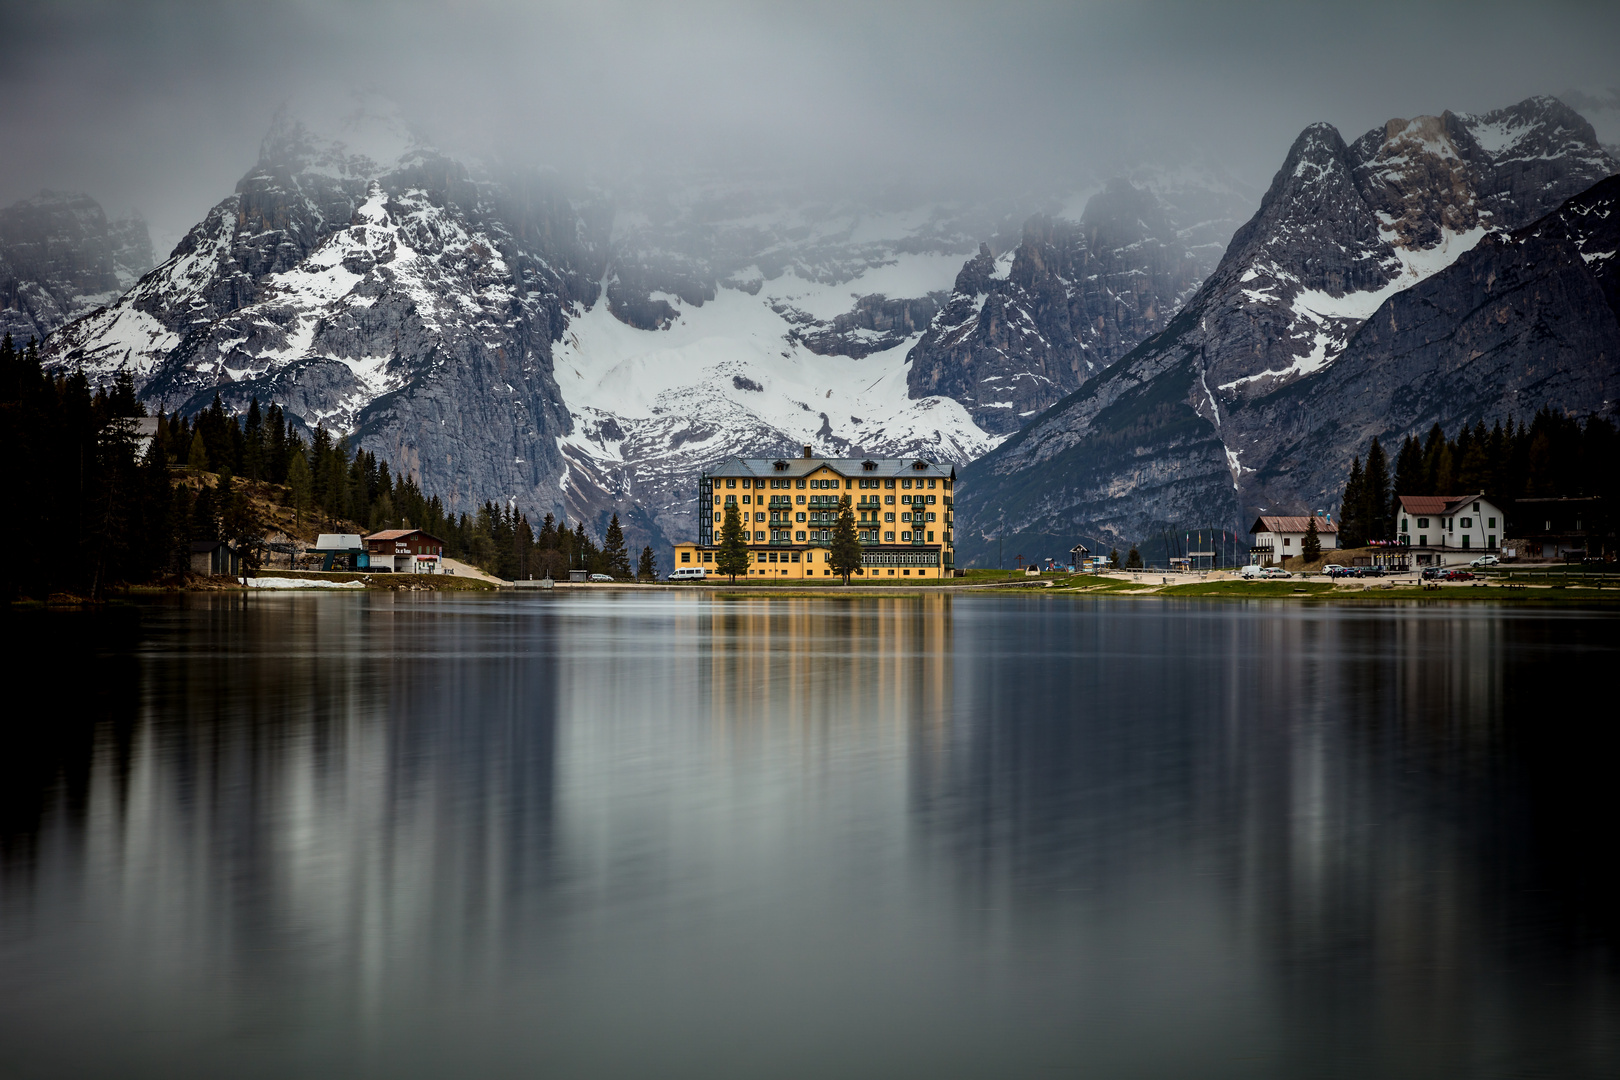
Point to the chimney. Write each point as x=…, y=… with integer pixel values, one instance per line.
x=807, y=452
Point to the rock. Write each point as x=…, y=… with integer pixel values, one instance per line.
x=60, y=257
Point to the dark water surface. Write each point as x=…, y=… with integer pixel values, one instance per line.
x=654, y=836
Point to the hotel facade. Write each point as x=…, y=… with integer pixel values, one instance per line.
x=904, y=515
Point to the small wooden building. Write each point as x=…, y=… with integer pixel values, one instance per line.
x=215, y=558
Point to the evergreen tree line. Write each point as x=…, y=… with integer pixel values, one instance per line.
x=1551, y=456
x=92, y=513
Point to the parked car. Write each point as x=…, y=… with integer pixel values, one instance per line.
x=600, y=577
x=1335, y=570
x=688, y=573
x=1275, y=572
x=1485, y=560
x=1433, y=573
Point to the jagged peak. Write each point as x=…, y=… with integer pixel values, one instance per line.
x=360, y=137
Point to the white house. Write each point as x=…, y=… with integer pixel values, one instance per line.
x=1444, y=530
x=1279, y=537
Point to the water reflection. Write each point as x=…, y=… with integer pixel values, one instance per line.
x=384, y=835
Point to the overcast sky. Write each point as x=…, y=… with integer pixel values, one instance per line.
x=160, y=106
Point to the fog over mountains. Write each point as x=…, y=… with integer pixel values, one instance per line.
x=1112, y=335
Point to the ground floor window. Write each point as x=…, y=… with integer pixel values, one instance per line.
x=686, y=556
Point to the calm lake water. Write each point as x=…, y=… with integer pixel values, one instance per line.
x=663, y=835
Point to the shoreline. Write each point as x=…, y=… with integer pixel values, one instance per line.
x=1580, y=588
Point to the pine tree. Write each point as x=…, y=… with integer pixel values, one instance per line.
x=1113, y=559
x=301, y=485
x=614, y=553
x=845, y=556
x=197, y=458
x=647, y=570
x=732, y=556
x=1133, y=561
x=1352, y=525
x=1375, y=493
x=1409, y=468
x=1311, y=546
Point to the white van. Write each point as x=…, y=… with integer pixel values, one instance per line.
x=1253, y=571
x=688, y=573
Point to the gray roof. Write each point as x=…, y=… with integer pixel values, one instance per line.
x=848, y=467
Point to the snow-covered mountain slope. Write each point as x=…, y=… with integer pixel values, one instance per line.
x=511, y=336
x=60, y=257
x=1342, y=234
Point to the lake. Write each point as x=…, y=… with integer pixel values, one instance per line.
x=665, y=834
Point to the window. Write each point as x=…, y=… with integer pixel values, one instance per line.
x=762, y=556
x=731, y=483
x=686, y=556
x=888, y=538
x=795, y=556
x=930, y=538
x=1476, y=510
x=1468, y=523
x=931, y=517
x=801, y=497
x=905, y=517
x=905, y=483
x=798, y=517
x=747, y=498
x=1423, y=523
x=1404, y=526
x=930, y=485
x=799, y=536
x=890, y=485
x=888, y=517
x=890, y=500
x=1287, y=542
x=905, y=537
x=1490, y=523
x=759, y=537
x=809, y=556
x=708, y=556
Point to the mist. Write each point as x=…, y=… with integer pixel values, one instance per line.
x=160, y=107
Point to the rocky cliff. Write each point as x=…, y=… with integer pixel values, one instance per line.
x=60, y=257
x=1021, y=330
x=1249, y=396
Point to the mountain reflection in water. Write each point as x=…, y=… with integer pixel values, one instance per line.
x=674, y=835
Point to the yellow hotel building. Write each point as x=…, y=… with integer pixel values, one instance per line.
x=789, y=506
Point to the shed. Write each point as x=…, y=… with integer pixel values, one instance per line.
x=215, y=558
x=345, y=548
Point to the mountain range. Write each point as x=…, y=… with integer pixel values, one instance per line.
x=1443, y=269
x=1123, y=356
